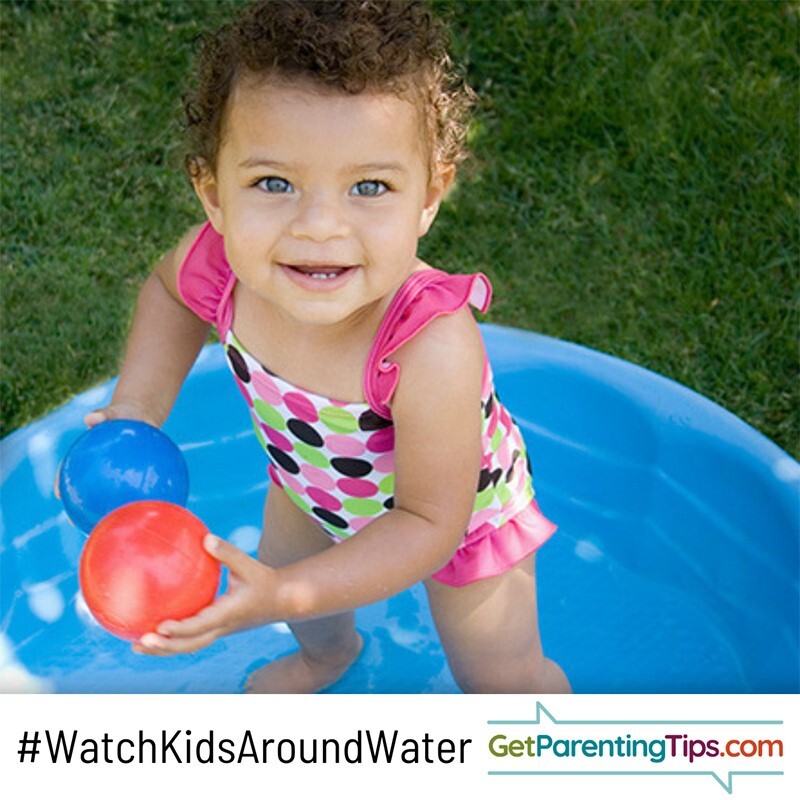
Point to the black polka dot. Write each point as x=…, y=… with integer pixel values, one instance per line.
x=283, y=460
x=510, y=472
x=304, y=432
x=389, y=503
x=238, y=364
x=370, y=421
x=330, y=517
x=489, y=406
x=484, y=479
x=352, y=467
x=496, y=475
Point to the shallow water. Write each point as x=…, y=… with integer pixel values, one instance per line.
x=674, y=569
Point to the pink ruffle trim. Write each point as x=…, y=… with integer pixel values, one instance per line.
x=423, y=297
x=206, y=281
x=490, y=551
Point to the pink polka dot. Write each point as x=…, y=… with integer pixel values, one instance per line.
x=323, y=499
x=504, y=453
x=317, y=477
x=344, y=445
x=292, y=482
x=301, y=406
x=245, y=391
x=381, y=441
x=356, y=487
x=278, y=439
x=385, y=463
x=481, y=517
x=266, y=388
x=273, y=474
x=361, y=522
x=492, y=426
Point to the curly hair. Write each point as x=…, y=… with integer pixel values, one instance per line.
x=394, y=46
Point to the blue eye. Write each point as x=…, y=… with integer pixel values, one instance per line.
x=369, y=189
x=273, y=185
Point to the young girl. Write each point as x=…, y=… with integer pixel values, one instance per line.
x=326, y=134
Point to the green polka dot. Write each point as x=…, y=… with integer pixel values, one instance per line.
x=339, y=420
x=386, y=486
x=484, y=499
x=363, y=507
x=503, y=493
x=297, y=500
x=312, y=455
x=496, y=440
x=270, y=416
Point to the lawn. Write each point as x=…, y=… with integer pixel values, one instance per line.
x=633, y=185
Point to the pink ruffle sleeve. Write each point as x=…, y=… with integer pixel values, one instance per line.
x=206, y=281
x=423, y=297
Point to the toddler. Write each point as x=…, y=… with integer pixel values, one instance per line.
x=325, y=135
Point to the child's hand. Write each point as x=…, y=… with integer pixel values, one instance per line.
x=113, y=411
x=120, y=411
x=249, y=602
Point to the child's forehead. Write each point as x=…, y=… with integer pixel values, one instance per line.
x=270, y=88
x=302, y=103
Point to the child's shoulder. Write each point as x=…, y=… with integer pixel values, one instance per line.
x=429, y=340
x=445, y=358
x=448, y=342
x=168, y=267
x=446, y=329
x=440, y=377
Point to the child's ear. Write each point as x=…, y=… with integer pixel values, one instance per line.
x=207, y=189
x=441, y=180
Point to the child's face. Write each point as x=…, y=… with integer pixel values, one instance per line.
x=321, y=197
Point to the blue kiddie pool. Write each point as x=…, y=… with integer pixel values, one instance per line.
x=675, y=567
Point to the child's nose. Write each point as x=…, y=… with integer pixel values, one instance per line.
x=319, y=218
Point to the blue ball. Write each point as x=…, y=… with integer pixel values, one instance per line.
x=119, y=462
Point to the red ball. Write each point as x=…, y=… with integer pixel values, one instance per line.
x=144, y=563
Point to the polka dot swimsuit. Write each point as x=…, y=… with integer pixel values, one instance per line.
x=335, y=460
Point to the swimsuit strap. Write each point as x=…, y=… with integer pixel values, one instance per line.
x=424, y=296
x=206, y=281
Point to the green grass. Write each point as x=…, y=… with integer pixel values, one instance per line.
x=634, y=185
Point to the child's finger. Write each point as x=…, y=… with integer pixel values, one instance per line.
x=236, y=560
x=211, y=618
x=153, y=645
x=95, y=418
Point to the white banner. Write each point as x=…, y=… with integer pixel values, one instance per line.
x=513, y=746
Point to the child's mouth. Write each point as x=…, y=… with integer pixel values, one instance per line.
x=318, y=277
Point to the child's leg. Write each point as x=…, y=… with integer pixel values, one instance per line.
x=329, y=645
x=490, y=633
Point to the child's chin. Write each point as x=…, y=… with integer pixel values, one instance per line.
x=322, y=313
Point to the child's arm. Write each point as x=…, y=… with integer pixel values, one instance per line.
x=437, y=415
x=163, y=343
